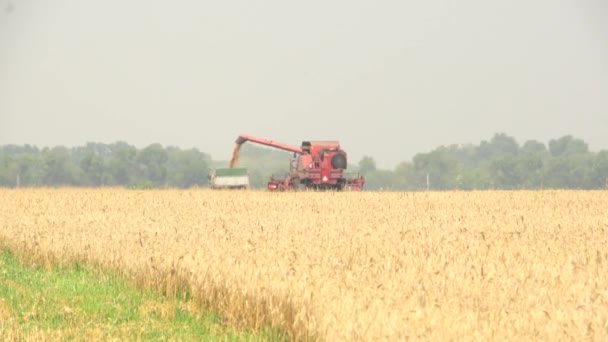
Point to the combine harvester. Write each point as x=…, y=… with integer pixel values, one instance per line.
x=316, y=165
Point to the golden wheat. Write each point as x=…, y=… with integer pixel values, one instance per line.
x=343, y=266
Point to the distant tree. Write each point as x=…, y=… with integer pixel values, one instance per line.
x=476, y=178
x=530, y=165
x=366, y=165
x=31, y=169
x=20, y=166
x=534, y=147
x=92, y=162
x=504, y=173
x=599, y=171
x=59, y=170
x=8, y=170
x=500, y=145
x=405, y=176
x=442, y=169
x=465, y=154
x=187, y=168
x=152, y=163
x=380, y=180
x=556, y=173
x=567, y=145
x=121, y=168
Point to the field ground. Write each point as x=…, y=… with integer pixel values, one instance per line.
x=79, y=303
x=519, y=265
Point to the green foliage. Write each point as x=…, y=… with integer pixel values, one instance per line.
x=80, y=303
x=599, y=171
x=152, y=162
x=533, y=147
x=381, y=180
x=567, y=145
x=499, y=163
x=367, y=165
x=120, y=166
x=186, y=168
x=93, y=165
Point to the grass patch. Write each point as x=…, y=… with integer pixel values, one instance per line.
x=79, y=303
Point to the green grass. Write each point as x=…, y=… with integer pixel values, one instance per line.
x=79, y=303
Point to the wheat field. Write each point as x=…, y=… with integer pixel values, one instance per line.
x=343, y=266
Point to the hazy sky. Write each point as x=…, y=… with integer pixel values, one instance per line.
x=386, y=78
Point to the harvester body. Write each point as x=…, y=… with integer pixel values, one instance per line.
x=317, y=165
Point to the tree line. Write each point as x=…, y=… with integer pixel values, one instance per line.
x=96, y=164
x=500, y=163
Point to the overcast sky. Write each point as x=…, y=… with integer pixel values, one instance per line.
x=386, y=78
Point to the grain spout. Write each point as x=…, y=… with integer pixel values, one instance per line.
x=235, y=155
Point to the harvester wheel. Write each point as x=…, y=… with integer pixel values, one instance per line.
x=338, y=161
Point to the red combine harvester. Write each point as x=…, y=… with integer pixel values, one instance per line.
x=317, y=165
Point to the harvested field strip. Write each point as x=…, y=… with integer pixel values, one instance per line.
x=344, y=266
x=76, y=302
